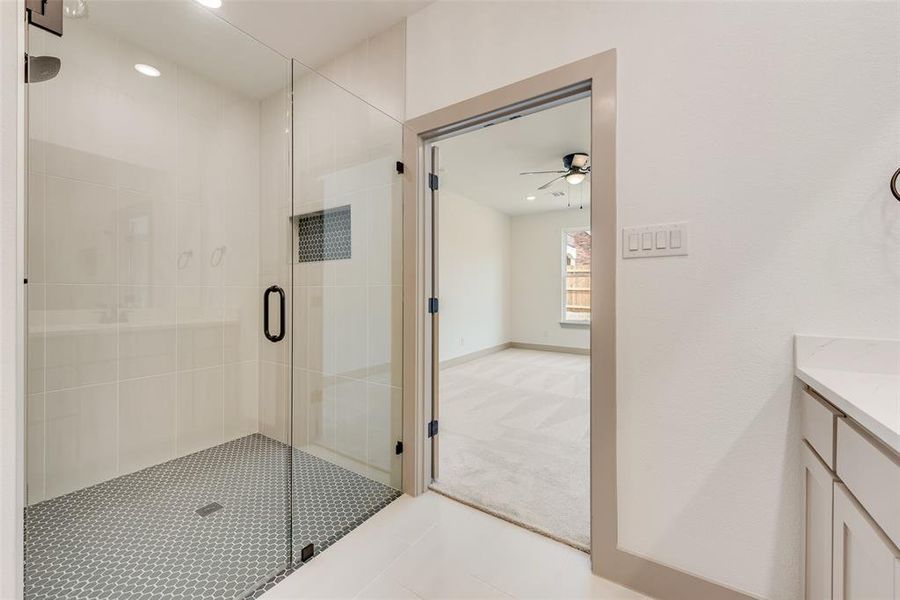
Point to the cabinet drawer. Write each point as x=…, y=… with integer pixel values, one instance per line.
x=817, y=423
x=872, y=474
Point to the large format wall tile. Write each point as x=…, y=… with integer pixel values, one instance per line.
x=349, y=331
x=241, y=399
x=80, y=232
x=80, y=433
x=242, y=324
x=147, y=417
x=385, y=323
x=34, y=450
x=274, y=400
x=146, y=331
x=200, y=327
x=81, y=344
x=201, y=415
x=351, y=437
x=146, y=231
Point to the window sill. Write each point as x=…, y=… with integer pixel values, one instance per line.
x=575, y=324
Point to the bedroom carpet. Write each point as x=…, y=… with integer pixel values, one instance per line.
x=514, y=438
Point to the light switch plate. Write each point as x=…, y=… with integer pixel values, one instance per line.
x=648, y=241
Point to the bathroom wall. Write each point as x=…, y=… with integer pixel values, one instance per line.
x=536, y=242
x=143, y=254
x=772, y=128
x=475, y=270
x=374, y=70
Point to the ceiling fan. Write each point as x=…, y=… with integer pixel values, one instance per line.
x=575, y=169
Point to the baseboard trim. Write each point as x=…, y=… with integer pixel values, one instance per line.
x=452, y=362
x=547, y=348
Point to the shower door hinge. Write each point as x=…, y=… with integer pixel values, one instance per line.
x=307, y=552
x=433, y=181
x=433, y=428
x=433, y=306
x=400, y=168
x=398, y=449
x=46, y=14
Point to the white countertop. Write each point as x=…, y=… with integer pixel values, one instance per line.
x=861, y=377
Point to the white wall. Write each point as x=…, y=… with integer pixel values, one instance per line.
x=772, y=128
x=475, y=274
x=537, y=279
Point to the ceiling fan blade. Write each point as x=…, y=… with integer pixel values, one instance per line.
x=541, y=172
x=551, y=182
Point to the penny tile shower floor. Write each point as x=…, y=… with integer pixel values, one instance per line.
x=139, y=536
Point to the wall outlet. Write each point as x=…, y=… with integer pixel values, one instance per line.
x=649, y=241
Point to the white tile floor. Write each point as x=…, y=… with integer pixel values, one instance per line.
x=433, y=547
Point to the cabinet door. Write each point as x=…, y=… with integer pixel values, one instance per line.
x=865, y=560
x=817, y=486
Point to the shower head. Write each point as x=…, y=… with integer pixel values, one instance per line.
x=42, y=68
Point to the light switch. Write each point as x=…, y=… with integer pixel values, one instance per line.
x=633, y=242
x=675, y=238
x=661, y=239
x=653, y=241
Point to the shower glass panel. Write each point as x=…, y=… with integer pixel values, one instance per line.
x=158, y=414
x=345, y=236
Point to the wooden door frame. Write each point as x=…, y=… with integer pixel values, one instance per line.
x=598, y=74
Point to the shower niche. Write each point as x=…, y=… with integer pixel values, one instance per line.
x=323, y=235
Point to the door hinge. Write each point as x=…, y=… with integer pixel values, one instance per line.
x=433, y=306
x=398, y=449
x=400, y=168
x=433, y=181
x=433, y=428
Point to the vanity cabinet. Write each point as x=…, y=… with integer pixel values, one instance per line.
x=818, y=493
x=866, y=563
x=851, y=498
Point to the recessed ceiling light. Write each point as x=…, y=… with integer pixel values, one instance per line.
x=529, y=197
x=148, y=70
x=210, y=3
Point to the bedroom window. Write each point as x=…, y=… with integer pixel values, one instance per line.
x=576, y=288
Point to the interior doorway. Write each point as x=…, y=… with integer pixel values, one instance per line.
x=511, y=268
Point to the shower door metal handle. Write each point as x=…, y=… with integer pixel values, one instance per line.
x=269, y=336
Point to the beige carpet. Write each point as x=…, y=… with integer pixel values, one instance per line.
x=515, y=439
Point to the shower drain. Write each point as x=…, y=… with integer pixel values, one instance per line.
x=205, y=511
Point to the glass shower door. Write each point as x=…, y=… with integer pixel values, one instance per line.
x=346, y=246
x=158, y=413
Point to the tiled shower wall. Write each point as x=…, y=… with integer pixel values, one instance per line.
x=143, y=264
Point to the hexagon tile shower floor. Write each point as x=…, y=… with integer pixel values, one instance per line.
x=140, y=535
